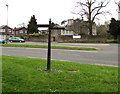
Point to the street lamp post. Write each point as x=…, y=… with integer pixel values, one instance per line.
x=7, y=15
x=7, y=26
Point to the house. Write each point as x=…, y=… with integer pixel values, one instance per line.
x=5, y=32
x=55, y=33
x=76, y=30
x=67, y=31
x=78, y=27
x=21, y=31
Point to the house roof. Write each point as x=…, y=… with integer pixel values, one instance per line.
x=5, y=26
x=20, y=28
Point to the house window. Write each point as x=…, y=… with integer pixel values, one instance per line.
x=2, y=30
x=68, y=32
x=2, y=36
x=65, y=32
x=62, y=32
x=9, y=30
x=25, y=31
x=20, y=31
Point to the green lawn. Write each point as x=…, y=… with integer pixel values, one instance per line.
x=28, y=75
x=45, y=46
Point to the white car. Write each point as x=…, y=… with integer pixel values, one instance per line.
x=16, y=39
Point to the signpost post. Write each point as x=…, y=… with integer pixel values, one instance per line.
x=50, y=27
x=49, y=47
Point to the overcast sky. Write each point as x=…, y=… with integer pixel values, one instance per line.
x=20, y=11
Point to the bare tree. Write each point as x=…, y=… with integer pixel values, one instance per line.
x=22, y=24
x=91, y=9
x=118, y=4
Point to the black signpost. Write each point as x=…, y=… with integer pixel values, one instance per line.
x=50, y=27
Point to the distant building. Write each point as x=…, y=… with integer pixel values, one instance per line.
x=78, y=27
x=21, y=31
x=5, y=32
x=70, y=22
x=107, y=23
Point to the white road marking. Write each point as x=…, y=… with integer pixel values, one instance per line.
x=67, y=50
x=106, y=65
x=36, y=48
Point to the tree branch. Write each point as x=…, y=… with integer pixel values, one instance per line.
x=117, y=3
x=82, y=4
x=100, y=6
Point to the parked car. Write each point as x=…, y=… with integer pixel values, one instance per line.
x=16, y=39
x=2, y=41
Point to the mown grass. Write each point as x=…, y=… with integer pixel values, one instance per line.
x=112, y=41
x=28, y=75
x=45, y=46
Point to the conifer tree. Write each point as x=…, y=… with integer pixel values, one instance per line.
x=114, y=28
x=32, y=26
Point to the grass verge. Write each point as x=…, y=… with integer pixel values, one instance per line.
x=112, y=41
x=45, y=46
x=28, y=75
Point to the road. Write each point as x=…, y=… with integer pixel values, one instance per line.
x=107, y=55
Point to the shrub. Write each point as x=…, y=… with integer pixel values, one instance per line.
x=37, y=34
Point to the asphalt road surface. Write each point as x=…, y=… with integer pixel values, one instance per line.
x=107, y=55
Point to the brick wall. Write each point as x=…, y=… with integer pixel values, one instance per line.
x=69, y=39
x=66, y=38
x=42, y=38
